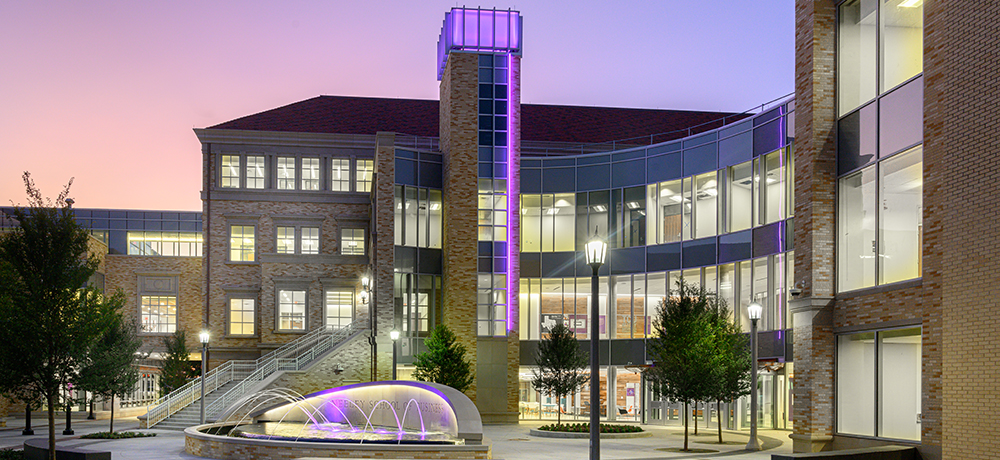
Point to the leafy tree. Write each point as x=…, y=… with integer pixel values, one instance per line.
x=49, y=317
x=444, y=362
x=732, y=360
x=177, y=369
x=561, y=364
x=111, y=369
x=683, y=347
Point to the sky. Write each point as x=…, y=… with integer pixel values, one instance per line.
x=108, y=93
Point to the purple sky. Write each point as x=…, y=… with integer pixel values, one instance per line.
x=108, y=92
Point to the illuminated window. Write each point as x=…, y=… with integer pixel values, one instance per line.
x=286, y=240
x=491, y=305
x=339, y=308
x=352, y=241
x=365, y=175
x=286, y=173
x=241, y=243
x=340, y=175
x=310, y=174
x=255, y=172
x=309, y=243
x=159, y=313
x=241, y=317
x=291, y=310
x=175, y=244
x=230, y=166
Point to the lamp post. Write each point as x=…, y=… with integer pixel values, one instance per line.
x=754, y=310
x=69, y=408
x=394, y=335
x=596, y=250
x=203, y=337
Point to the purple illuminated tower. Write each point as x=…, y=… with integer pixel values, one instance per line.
x=479, y=56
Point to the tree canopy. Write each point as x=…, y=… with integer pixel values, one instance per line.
x=444, y=362
x=49, y=317
x=561, y=364
x=177, y=368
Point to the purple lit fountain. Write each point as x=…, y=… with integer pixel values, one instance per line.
x=418, y=418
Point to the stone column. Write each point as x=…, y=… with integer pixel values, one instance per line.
x=383, y=252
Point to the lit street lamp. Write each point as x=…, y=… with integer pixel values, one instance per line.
x=203, y=337
x=394, y=335
x=596, y=250
x=754, y=310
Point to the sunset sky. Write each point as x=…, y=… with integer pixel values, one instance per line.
x=108, y=92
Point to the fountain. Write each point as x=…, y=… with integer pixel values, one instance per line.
x=403, y=419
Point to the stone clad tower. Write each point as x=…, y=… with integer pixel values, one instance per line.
x=479, y=69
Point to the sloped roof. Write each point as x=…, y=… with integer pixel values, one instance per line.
x=544, y=123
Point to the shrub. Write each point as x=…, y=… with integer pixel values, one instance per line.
x=585, y=428
x=118, y=435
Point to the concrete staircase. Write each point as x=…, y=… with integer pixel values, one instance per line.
x=190, y=415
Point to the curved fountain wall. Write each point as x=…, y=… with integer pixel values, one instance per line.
x=442, y=409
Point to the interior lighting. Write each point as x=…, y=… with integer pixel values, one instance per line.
x=911, y=3
x=677, y=198
x=600, y=208
x=633, y=204
x=435, y=206
x=552, y=211
x=711, y=192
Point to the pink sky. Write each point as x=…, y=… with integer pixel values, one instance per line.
x=108, y=92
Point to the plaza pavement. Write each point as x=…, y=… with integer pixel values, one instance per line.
x=510, y=442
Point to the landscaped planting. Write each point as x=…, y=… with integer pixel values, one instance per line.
x=585, y=428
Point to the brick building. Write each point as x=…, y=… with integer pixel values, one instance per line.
x=472, y=211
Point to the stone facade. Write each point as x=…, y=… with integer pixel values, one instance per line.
x=129, y=273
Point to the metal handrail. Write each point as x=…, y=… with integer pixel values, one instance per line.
x=190, y=392
x=319, y=346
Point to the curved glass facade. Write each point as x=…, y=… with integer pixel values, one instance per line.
x=713, y=209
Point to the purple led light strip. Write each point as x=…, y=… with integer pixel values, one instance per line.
x=511, y=189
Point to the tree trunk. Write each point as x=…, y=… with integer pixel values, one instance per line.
x=111, y=429
x=694, y=418
x=718, y=407
x=50, y=402
x=558, y=410
x=685, y=426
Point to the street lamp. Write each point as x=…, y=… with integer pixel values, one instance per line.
x=754, y=310
x=596, y=250
x=394, y=335
x=203, y=337
x=69, y=407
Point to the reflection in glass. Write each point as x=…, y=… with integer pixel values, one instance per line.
x=899, y=388
x=856, y=384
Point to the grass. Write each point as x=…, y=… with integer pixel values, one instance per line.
x=115, y=435
x=585, y=428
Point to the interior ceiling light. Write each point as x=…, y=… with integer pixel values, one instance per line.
x=910, y=3
x=563, y=203
x=665, y=192
x=600, y=208
x=711, y=183
x=435, y=206
x=552, y=211
x=633, y=204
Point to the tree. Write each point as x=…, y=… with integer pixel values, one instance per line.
x=732, y=360
x=683, y=347
x=111, y=368
x=49, y=317
x=177, y=369
x=444, y=362
x=561, y=364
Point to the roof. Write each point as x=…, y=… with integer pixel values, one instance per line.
x=418, y=117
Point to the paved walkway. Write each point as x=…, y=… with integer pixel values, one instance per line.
x=510, y=442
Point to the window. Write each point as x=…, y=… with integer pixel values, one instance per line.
x=892, y=204
x=291, y=310
x=241, y=243
x=773, y=203
x=286, y=240
x=547, y=222
x=871, y=61
x=340, y=174
x=418, y=302
x=352, y=241
x=491, y=305
x=286, y=173
x=255, y=172
x=492, y=210
x=339, y=308
x=878, y=383
x=310, y=174
x=632, y=215
x=740, y=189
x=176, y=244
x=310, y=240
x=365, y=175
x=418, y=217
x=230, y=166
x=159, y=313
x=669, y=201
x=706, y=201
x=241, y=317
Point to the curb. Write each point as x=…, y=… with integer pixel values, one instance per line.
x=569, y=435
